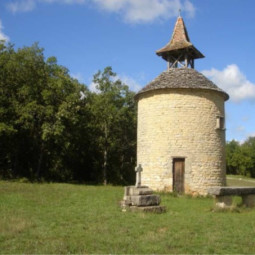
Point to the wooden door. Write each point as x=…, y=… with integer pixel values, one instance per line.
x=178, y=175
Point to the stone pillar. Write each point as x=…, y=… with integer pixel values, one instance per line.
x=223, y=201
x=248, y=200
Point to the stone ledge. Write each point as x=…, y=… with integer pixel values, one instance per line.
x=231, y=191
x=223, y=196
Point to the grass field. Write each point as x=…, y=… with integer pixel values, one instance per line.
x=66, y=218
x=239, y=180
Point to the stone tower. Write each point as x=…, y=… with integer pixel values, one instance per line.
x=181, y=130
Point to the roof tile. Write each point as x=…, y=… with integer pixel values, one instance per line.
x=181, y=78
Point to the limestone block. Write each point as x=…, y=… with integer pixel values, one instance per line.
x=142, y=190
x=232, y=191
x=152, y=209
x=145, y=200
x=223, y=202
x=127, y=201
x=248, y=200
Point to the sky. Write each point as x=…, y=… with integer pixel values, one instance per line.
x=88, y=35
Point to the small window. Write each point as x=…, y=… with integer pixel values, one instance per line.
x=220, y=123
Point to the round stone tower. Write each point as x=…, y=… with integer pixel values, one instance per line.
x=181, y=130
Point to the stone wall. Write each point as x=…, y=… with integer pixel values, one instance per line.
x=181, y=123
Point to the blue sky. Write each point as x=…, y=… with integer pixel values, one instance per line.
x=88, y=35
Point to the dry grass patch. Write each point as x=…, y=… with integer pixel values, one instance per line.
x=14, y=225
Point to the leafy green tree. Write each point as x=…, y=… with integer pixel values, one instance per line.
x=249, y=149
x=240, y=157
x=49, y=132
x=232, y=154
x=39, y=107
x=114, y=112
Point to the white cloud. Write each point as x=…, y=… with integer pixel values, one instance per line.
x=3, y=37
x=143, y=11
x=92, y=87
x=189, y=8
x=132, y=11
x=63, y=1
x=78, y=76
x=127, y=80
x=132, y=83
x=29, y=5
x=233, y=81
x=110, y=5
x=21, y=6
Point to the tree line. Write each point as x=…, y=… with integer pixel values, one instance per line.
x=54, y=128
x=241, y=157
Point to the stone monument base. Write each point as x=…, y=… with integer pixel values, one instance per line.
x=142, y=199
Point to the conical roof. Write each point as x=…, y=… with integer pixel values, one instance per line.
x=179, y=44
x=181, y=78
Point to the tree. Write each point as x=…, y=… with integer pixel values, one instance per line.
x=49, y=132
x=249, y=148
x=114, y=114
x=39, y=106
x=240, y=157
x=232, y=154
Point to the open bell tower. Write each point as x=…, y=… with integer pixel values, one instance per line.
x=179, y=52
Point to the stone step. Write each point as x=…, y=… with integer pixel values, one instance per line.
x=145, y=200
x=151, y=209
x=135, y=191
x=141, y=198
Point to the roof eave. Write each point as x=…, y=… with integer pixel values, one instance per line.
x=138, y=94
x=191, y=50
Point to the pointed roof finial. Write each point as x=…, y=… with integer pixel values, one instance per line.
x=180, y=10
x=179, y=47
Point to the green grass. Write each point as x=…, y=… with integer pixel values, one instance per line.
x=65, y=218
x=239, y=180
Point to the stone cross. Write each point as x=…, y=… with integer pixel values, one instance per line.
x=138, y=170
